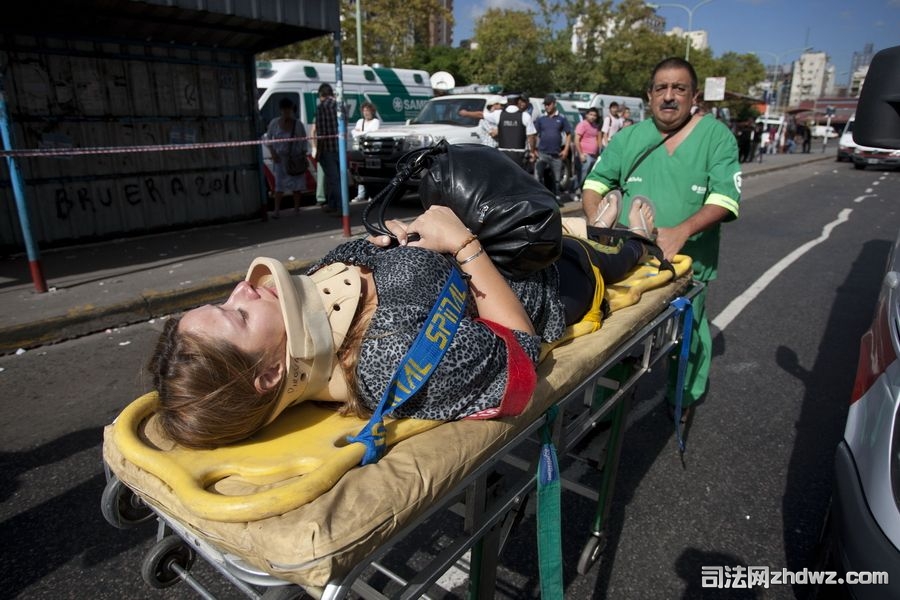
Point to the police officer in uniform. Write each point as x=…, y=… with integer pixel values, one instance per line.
x=516, y=135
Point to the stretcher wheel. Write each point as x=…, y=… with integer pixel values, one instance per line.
x=158, y=570
x=591, y=553
x=121, y=507
x=287, y=592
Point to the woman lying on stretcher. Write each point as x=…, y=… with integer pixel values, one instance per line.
x=224, y=371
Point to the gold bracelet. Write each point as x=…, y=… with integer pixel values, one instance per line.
x=468, y=241
x=471, y=258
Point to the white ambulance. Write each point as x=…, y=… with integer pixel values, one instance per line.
x=398, y=94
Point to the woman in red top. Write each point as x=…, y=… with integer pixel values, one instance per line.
x=587, y=142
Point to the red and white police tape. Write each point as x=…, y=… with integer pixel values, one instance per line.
x=46, y=152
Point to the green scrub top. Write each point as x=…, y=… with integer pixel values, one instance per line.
x=703, y=169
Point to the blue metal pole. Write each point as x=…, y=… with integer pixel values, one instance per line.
x=342, y=131
x=18, y=187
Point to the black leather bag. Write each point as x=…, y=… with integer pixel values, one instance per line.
x=515, y=218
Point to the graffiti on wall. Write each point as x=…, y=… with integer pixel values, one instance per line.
x=81, y=198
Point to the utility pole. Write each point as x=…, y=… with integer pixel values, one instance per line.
x=18, y=189
x=690, y=12
x=830, y=112
x=359, y=46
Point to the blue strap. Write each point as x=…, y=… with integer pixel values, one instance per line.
x=420, y=362
x=682, y=305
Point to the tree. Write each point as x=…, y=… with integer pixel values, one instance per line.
x=508, y=51
x=442, y=58
x=392, y=30
x=578, y=69
x=629, y=55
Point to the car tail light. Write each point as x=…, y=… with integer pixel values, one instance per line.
x=876, y=348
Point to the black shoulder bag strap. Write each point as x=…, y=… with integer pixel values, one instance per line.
x=650, y=150
x=293, y=135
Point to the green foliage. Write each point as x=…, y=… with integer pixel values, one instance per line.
x=508, y=51
x=442, y=58
x=392, y=31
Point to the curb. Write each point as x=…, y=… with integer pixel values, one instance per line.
x=774, y=168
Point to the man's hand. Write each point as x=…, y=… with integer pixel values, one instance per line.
x=671, y=240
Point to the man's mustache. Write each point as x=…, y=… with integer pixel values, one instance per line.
x=669, y=104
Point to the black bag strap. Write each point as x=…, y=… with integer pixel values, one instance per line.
x=610, y=236
x=650, y=150
x=293, y=135
x=409, y=165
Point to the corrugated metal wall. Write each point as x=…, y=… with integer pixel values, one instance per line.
x=82, y=93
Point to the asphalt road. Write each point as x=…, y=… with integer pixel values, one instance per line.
x=752, y=491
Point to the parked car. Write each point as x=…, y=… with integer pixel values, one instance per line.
x=846, y=144
x=862, y=531
x=866, y=156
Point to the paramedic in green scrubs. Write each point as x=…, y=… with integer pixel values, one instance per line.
x=694, y=182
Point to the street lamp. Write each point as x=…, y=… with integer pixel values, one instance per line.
x=778, y=64
x=690, y=12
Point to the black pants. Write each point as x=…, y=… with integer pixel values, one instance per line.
x=576, y=277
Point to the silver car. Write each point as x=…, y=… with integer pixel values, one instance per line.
x=862, y=532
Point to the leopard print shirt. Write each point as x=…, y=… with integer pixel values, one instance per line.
x=472, y=374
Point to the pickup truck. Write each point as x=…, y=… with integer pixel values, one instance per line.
x=373, y=157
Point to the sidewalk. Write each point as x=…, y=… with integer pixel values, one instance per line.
x=115, y=283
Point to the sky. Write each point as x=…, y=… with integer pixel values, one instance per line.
x=780, y=27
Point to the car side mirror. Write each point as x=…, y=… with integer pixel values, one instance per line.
x=878, y=112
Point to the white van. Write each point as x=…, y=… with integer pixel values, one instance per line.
x=633, y=103
x=846, y=145
x=398, y=94
x=770, y=122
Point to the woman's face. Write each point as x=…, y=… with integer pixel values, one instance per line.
x=250, y=319
x=368, y=113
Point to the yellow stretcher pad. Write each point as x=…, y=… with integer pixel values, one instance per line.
x=302, y=454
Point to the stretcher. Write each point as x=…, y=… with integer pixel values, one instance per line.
x=333, y=542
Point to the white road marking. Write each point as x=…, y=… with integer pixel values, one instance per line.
x=736, y=306
x=869, y=190
x=876, y=182
x=863, y=197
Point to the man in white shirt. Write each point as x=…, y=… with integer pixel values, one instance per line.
x=612, y=123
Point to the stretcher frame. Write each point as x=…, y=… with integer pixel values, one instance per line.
x=488, y=514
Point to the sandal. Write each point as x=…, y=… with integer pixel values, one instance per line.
x=644, y=230
x=607, y=204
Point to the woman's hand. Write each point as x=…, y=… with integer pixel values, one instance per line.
x=439, y=229
x=398, y=228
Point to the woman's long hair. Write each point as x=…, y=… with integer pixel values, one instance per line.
x=207, y=394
